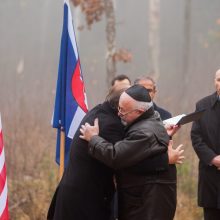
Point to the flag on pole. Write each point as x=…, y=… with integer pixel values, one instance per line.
x=4, y=215
x=70, y=101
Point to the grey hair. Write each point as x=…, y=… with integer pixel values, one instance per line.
x=143, y=105
x=136, y=81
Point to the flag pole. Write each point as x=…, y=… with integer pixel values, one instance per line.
x=62, y=153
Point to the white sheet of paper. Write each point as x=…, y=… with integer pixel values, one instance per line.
x=174, y=120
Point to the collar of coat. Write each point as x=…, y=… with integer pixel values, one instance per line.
x=214, y=99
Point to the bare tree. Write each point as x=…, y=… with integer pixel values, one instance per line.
x=154, y=37
x=93, y=10
x=186, y=50
x=110, y=36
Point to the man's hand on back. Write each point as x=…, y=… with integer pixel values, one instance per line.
x=88, y=131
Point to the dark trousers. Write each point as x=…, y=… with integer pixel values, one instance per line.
x=148, y=202
x=211, y=214
x=114, y=215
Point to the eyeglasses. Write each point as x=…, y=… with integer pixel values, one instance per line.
x=124, y=114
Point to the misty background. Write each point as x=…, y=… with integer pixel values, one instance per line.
x=30, y=33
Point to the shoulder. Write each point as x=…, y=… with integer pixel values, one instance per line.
x=206, y=101
x=148, y=124
x=150, y=128
x=164, y=114
x=110, y=125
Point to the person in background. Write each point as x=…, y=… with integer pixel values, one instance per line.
x=205, y=136
x=150, y=85
x=141, y=196
x=121, y=79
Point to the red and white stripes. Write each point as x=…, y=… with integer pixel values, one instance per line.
x=3, y=181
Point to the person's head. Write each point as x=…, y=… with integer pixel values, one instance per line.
x=148, y=83
x=114, y=94
x=133, y=103
x=217, y=81
x=121, y=79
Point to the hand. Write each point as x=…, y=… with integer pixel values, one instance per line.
x=171, y=129
x=175, y=155
x=216, y=161
x=88, y=131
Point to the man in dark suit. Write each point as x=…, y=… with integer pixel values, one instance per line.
x=150, y=85
x=86, y=189
x=205, y=135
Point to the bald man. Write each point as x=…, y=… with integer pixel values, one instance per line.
x=205, y=135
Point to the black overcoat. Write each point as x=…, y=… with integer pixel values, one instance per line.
x=140, y=195
x=205, y=135
x=86, y=189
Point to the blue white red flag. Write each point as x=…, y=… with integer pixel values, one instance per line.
x=4, y=215
x=70, y=101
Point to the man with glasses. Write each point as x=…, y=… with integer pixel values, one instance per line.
x=141, y=196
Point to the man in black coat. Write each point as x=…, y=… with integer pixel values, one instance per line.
x=150, y=85
x=141, y=195
x=205, y=135
x=86, y=189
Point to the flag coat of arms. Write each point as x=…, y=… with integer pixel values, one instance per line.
x=4, y=215
x=70, y=101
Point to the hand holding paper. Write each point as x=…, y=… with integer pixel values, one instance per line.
x=183, y=118
x=171, y=129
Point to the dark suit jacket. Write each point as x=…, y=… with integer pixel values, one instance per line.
x=205, y=135
x=164, y=114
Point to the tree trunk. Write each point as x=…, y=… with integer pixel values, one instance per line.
x=186, y=52
x=110, y=36
x=154, y=37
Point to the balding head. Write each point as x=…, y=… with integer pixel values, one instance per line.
x=130, y=108
x=148, y=83
x=217, y=74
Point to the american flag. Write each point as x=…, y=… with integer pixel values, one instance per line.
x=4, y=215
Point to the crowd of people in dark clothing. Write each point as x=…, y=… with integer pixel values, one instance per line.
x=122, y=163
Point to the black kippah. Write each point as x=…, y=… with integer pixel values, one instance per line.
x=139, y=93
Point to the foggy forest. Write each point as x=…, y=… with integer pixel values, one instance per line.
x=177, y=42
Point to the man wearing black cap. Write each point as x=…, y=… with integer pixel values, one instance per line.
x=141, y=196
